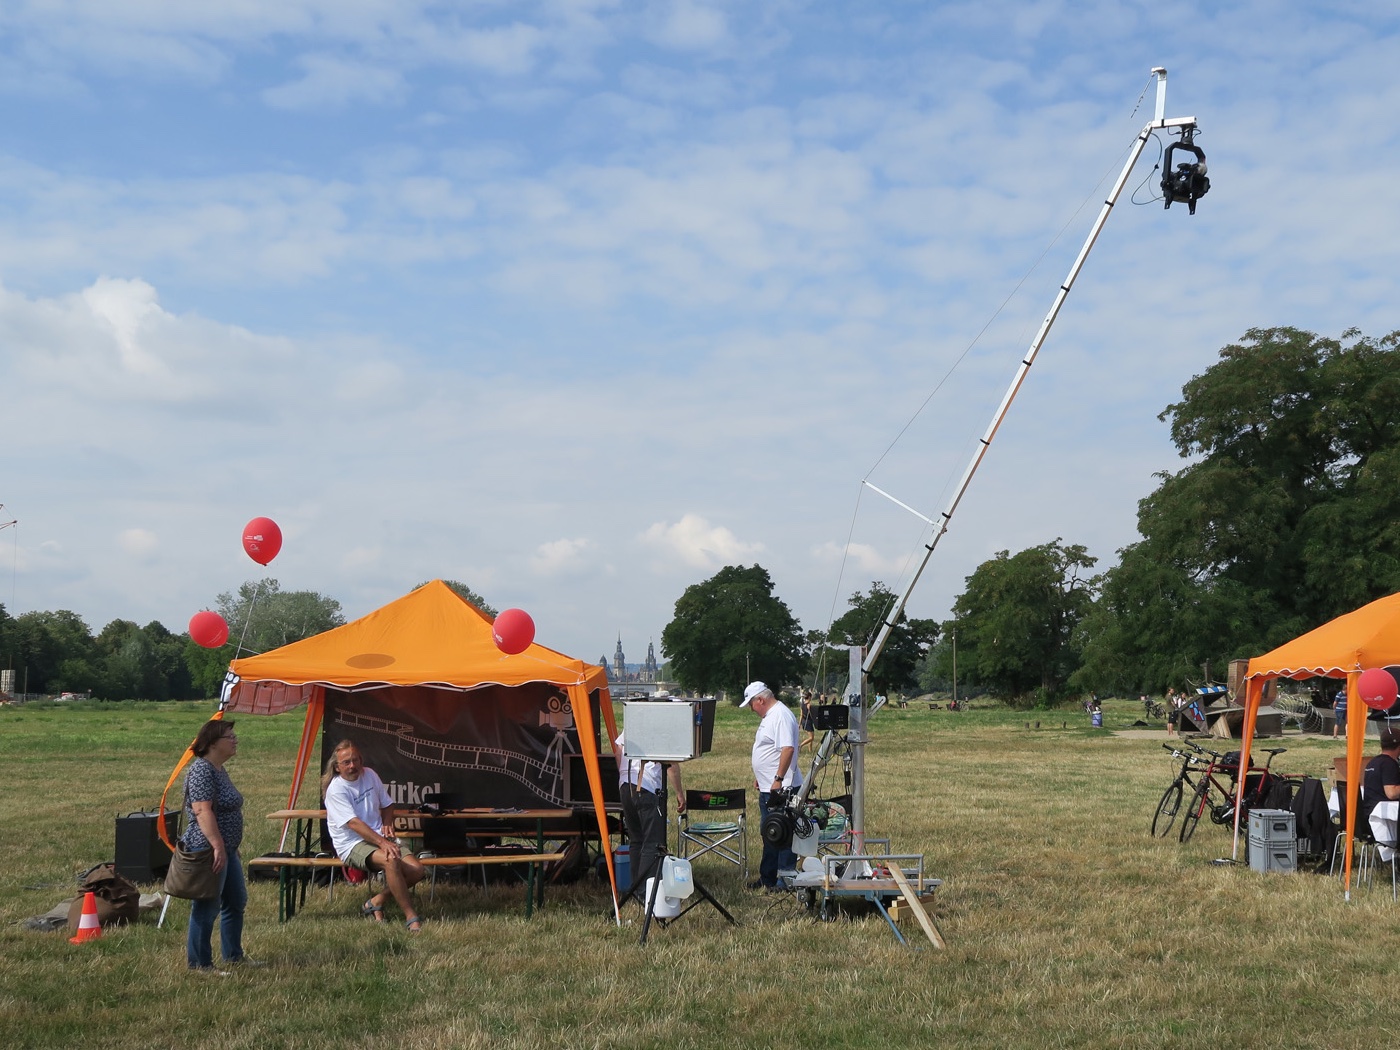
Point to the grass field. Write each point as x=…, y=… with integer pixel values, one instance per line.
x=1067, y=924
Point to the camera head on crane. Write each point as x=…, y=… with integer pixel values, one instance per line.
x=1187, y=181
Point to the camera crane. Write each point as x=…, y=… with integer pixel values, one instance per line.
x=1187, y=183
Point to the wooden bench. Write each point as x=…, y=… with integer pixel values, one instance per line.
x=532, y=861
x=294, y=874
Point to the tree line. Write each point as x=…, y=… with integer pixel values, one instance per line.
x=55, y=652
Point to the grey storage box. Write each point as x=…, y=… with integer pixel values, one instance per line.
x=1273, y=840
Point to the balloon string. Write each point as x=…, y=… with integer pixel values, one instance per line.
x=580, y=680
x=248, y=618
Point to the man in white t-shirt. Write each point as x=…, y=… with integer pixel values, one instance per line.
x=359, y=810
x=644, y=811
x=774, y=761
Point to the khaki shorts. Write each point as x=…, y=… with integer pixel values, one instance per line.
x=359, y=855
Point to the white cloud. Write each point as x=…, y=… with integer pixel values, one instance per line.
x=689, y=25
x=861, y=556
x=328, y=82
x=559, y=556
x=359, y=559
x=138, y=542
x=698, y=544
x=510, y=50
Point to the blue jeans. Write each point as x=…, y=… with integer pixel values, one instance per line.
x=774, y=859
x=228, y=908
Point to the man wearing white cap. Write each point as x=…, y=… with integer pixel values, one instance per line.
x=774, y=769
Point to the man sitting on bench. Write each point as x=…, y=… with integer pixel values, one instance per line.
x=359, y=811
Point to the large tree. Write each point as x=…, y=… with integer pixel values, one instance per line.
x=140, y=663
x=52, y=652
x=909, y=641
x=732, y=626
x=1287, y=515
x=262, y=616
x=1016, y=621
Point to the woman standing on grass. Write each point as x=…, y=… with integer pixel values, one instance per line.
x=214, y=820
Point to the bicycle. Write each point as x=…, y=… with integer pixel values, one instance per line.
x=1170, y=805
x=1219, y=798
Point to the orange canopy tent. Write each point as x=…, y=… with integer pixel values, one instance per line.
x=1340, y=648
x=425, y=646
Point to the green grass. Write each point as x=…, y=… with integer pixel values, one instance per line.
x=1067, y=925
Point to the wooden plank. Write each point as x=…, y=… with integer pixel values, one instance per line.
x=295, y=862
x=898, y=909
x=475, y=859
x=914, y=906
x=492, y=858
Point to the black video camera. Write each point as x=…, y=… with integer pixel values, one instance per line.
x=786, y=819
x=781, y=821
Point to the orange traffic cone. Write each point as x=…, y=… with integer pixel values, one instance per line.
x=89, y=929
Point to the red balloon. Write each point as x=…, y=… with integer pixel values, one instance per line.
x=208, y=629
x=1377, y=689
x=262, y=539
x=513, y=631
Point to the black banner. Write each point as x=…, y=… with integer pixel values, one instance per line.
x=495, y=747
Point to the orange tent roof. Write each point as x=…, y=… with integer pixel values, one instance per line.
x=1368, y=637
x=430, y=636
x=1340, y=648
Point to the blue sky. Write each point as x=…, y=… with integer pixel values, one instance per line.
x=579, y=301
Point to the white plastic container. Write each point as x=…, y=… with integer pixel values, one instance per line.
x=675, y=878
x=664, y=907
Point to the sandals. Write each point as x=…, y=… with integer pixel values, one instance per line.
x=414, y=923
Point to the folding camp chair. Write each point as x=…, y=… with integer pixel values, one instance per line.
x=836, y=837
x=725, y=838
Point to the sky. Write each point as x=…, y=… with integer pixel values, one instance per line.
x=578, y=301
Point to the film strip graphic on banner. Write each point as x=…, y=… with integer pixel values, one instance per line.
x=544, y=777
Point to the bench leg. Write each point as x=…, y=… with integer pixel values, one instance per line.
x=284, y=902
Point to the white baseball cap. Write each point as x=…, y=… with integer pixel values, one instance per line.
x=752, y=690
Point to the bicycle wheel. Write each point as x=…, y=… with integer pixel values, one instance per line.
x=1193, y=811
x=1167, y=810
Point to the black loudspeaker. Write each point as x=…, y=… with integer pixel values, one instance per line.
x=576, y=789
x=141, y=856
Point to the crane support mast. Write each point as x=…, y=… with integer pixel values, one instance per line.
x=861, y=662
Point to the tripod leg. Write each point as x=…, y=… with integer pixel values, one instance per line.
x=640, y=881
x=717, y=905
x=651, y=906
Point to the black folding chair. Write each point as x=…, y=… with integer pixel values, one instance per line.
x=716, y=822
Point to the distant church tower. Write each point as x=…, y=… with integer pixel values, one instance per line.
x=619, y=662
x=649, y=668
